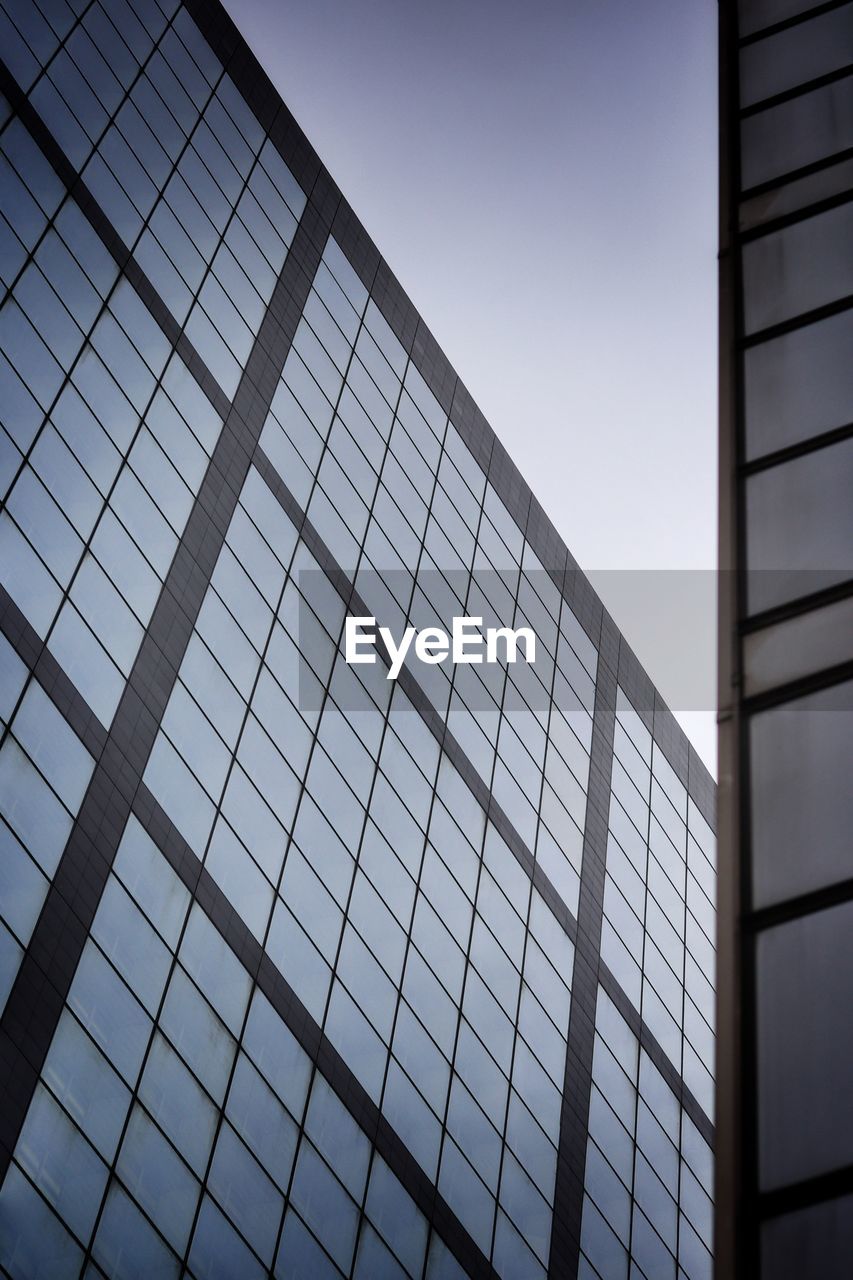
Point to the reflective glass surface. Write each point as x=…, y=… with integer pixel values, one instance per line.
x=327, y=979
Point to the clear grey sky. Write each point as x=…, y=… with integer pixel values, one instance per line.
x=541, y=176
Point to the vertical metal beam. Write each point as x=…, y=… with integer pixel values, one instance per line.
x=728, y=1195
x=574, y=1119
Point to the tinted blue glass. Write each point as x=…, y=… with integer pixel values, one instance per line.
x=399, y=1221
x=22, y=886
x=334, y=827
x=246, y=1194
x=337, y=1136
x=33, y=1242
x=158, y=1179
x=300, y=1256
x=217, y=1249
x=86, y=1085
x=261, y=1121
x=126, y=1245
x=113, y=1017
x=53, y=1152
x=178, y=1103
x=325, y=1206
x=197, y=1034
x=277, y=1054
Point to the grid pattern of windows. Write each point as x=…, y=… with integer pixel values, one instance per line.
x=176, y=159
x=403, y=506
x=648, y=1207
x=405, y=860
x=397, y=913
x=660, y=891
x=44, y=771
x=787, y=714
x=180, y=1109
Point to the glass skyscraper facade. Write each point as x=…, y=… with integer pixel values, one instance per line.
x=785, y=1150
x=305, y=971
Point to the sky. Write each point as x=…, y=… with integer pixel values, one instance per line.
x=541, y=177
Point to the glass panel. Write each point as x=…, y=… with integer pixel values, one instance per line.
x=338, y=1137
x=817, y=1241
x=800, y=526
x=803, y=266
x=805, y=1103
x=797, y=647
x=247, y=1194
x=324, y=1204
x=796, y=55
x=797, y=194
x=397, y=1217
x=179, y=1104
x=158, y=1179
x=799, y=385
x=755, y=15
x=32, y=1241
x=300, y=1255
x=217, y=1250
x=796, y=133
x=802, y=802
x=61, y=1163
x=126, y=1244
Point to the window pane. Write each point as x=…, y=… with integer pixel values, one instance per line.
x=817, y=1241
x=796, y=133
x=61, y=1163
x=31, y=1235
x=800, y=526
x=755, y=15
x=799, y=385
x=796, y=55
x=803, y=266
x=802, y=802
x=805, y=1043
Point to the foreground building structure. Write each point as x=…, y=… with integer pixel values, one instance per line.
x=785, y=1167
x=304, y=971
